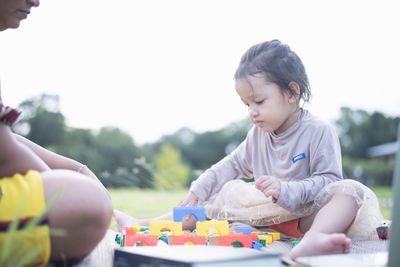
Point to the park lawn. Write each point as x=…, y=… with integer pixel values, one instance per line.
x=148, y=203
x=144, y=203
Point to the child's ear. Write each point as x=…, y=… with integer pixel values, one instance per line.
x=294, y=92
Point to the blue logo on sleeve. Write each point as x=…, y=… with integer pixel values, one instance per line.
x=299, y=157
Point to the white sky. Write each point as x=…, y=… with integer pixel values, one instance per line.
x=151, y=67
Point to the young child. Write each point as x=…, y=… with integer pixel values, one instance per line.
x=295, y=160
x=31, y=177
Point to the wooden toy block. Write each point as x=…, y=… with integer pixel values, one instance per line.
x=213, y=240
x=187, y=239
x=156, y=226
x=229, y=240
x=133, y=239
x=202, y=227
x=197, y=211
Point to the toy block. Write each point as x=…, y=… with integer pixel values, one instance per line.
x=236, y=240
x=197, y=211
x=129, y=230
x=295, y=242
x=245, y=229
x=213, y=240
x=265, y=239
x=202, y=227
x=136, y=228
x=256, y=245
x=148, y=240
x=276, y=235
x=187, y=239
x=156, y=226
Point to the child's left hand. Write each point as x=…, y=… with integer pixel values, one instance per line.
x=270, y=186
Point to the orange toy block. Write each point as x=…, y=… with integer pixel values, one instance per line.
x=129, y=230
x=227, y=240
x=188, y=238
x=148, y=240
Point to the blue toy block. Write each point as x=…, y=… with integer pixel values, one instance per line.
x=197, y=211
x=165, y=239
x=256, y=245
x=245, y=229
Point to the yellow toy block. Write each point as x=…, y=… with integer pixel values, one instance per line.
x=156, y=226
x=277, y=236
x=202, y=227
x=267, y=238
x=136, y=228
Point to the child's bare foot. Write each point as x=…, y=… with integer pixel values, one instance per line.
x=126, y=220
x=315, y=243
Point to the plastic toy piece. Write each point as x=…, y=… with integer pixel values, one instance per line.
x=243, y=229
x=383, y=232
x=197, y=211
x=188, y=239
x=221, y=226
x=129, y=230
x=295, y=242
x=265, y=239
x=234, y=238
x=156, y=226
x=136, y=228
x=148, y=240
x=276, y=235
x=256, y=245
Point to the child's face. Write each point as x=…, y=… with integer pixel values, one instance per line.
x=270, y=108
x=13, y=11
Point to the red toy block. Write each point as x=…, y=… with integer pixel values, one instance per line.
x=148, y=240
x=227, y=240
x=182, y=239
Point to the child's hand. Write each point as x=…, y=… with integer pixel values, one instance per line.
x=270, y=186
x=191, y=200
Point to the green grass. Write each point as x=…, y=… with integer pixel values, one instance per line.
x=384, y=193
x=148, y=203
x=144, y=203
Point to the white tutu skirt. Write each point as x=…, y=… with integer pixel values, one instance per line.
x=240, y=202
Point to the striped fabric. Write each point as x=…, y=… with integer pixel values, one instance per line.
x=22, y=223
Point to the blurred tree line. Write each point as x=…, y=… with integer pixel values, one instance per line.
x=176, y=160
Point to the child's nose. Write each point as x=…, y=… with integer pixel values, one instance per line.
x=252, y=111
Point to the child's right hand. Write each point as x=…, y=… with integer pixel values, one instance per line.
x=191, y=200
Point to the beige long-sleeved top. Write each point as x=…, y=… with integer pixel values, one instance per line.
x=305, y=158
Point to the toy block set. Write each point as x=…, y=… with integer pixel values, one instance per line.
x=213, y=233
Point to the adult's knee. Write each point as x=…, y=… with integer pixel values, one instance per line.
x=82, y=209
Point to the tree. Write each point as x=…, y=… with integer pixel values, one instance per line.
x=359, y=130
x=42, y=120
x=171, y=173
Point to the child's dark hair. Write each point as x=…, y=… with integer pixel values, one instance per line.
x=278, y=63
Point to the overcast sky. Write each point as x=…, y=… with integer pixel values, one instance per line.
x=151, y=67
